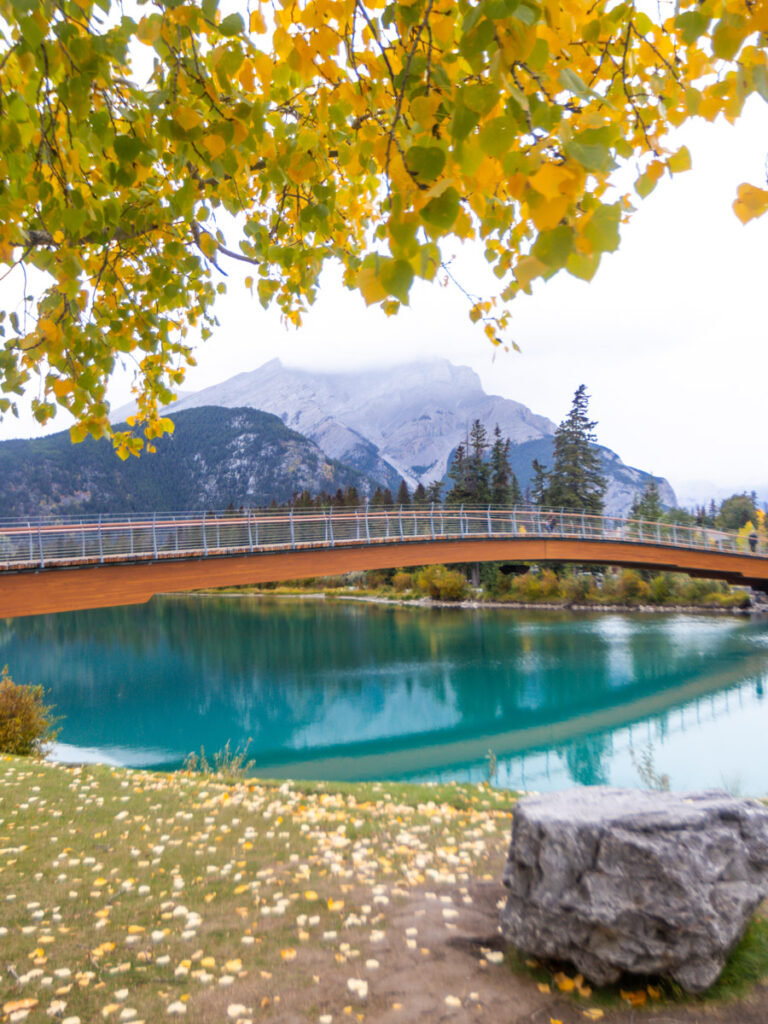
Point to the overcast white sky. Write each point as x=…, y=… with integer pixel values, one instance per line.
x=670, y=338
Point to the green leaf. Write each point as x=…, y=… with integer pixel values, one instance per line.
x=397, y=277
x=497, y=137
x=232, y=25
x=463, y=122
x=760, y=81
x=554, y=247
x=582, y=266
x=592, y=157
x=603, y=228
x=127, y=147
x=442, y=211
x=480, y=98
x=691, y=25
x=571, y=81
x=31, y=32
x=425, y=162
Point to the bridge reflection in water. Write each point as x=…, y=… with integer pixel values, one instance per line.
x=351, y=691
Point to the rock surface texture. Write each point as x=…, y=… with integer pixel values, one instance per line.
x=618, y=880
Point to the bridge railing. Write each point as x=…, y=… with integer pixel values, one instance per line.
x=46, y=542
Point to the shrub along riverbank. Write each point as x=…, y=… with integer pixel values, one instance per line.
x=627, y=588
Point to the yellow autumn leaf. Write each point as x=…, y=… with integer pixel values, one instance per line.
x=215, y=145
x=257, y=23
x=680, y=161
x=750, y=202
x=187, y=118
x=369, y=285
x=288, y=954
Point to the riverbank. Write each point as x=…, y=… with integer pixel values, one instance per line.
x=135, y=897
x=476, y=604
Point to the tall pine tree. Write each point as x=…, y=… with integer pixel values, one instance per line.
x=648, y=504
x=576, y=480
x=504, y=488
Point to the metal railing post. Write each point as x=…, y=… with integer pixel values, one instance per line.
x=40, y=545
x=640, y=529
x=357, y=524
x=154, y=534
x=130, y=534
x=101, y=543
x=367, y=527
x=658, y=531
x=293, y=535
x=400, y=522
x=82, y=539
x=674, y=534
x=490, y=525
x=461, y=521
x=29, y=535
x=330, y=524
x=513, y=522
x=432, y=520
x=255, y=541
x=205, y=538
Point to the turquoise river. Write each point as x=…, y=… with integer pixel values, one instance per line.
x=352, y=690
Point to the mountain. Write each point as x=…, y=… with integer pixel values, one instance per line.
x=214, y=458
x=405, y=421
x=388, y=424
x=624, y=482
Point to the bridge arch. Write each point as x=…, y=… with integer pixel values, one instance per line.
x=56, y=565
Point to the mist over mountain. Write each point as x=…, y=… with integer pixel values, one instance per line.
x=393, y=423
x=267, y=435
x=406, y=421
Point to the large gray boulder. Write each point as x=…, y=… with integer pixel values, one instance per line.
x=620, y=880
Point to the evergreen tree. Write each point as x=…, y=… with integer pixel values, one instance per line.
x=515, y=494
x=478, y=470
x=458, y=471
x=352, y=497
x=420, y=495
x=648, y=504
x=403, y=495
x=539, y=483
x=576, y=480
x=434, y=492
x=501, y=473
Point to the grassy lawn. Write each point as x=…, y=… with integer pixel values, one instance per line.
x=131, y=896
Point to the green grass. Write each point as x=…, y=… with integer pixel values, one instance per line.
x=131, y=891
x=125, y=890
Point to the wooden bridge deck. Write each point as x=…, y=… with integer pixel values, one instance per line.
x=100, y=582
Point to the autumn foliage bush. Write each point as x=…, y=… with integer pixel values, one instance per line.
x=441, y=583
x=26, y=725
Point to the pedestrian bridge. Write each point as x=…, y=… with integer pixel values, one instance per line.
x=65, y=564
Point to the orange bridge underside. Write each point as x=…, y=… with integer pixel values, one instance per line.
x=99, y=586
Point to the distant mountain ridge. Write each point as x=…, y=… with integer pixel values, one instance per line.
x=366, y=430
x=214, y=458
x=404, y=421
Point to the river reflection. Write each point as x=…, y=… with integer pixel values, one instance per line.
x=350, y=690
